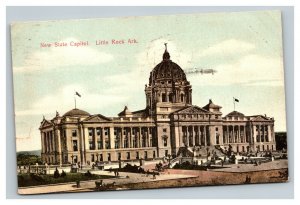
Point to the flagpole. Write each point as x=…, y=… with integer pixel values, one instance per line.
x=75, y=101
x=233, y=104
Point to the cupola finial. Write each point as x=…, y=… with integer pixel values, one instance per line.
x=166, y=55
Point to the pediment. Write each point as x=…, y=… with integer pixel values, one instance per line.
x=260, y=118
x=45, y=123
x=193, y=110
x=97, y=118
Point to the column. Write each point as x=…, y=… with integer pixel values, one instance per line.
x=269, y=133
x=111, y=138
x=227, y=134
x=129, y=137
x=54, y=141
x=82, y=139
x=59, y=146
x=180, y=137
x=272, y=134
x=254, y=133
x=122, y=138
x=139, y=137
x=49, y=141
x=86, y=138
x=239, y=134
x=148, y=137
x=245, y=134
x=188, y=136
x=199, y=135
x=263, y=132
x=259, y=133
x=103, y=138
x=43, y=142
x=95, y=138
x=204, y=129
x=194, y=135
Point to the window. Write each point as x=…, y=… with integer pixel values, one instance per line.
x=146, y=155
x=101, y=157
x=108, y=157
x=106, y=132
x=170, y=97
x=92, y=157
x=75, y=147
x=163, y=97
x=90, y=132
x=74, y=133
x=107, y=145
x=165, y=130
x=99, y=144
x=181, y=97
x=154, y=154
x=217, y=138
x=98, y=131
x=165, y=141
x=128, y=155
x=75, y=159
x=137, y=155
x=166, y=153
x=119, y=156
x=217, y=129
x=91, y=145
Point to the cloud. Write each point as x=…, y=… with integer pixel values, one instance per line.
x=227, y=47
x=63, y=101
x=250, y=70
x=152, y=55
x=54, y=57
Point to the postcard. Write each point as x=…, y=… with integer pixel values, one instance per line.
x=149, y=102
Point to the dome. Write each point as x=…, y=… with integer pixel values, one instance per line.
x=76, y=113
x=235, y=113
x=167, y=70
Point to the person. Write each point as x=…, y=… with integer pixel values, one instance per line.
x=154, y=177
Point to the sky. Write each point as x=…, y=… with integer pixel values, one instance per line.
x=245, y=49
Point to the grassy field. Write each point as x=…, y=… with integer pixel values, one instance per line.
x=25, y=180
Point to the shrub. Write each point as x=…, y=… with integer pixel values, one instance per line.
x=63, y=173
x=56, y=173
x=88, y=174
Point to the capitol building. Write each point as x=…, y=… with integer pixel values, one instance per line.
x=169, y=125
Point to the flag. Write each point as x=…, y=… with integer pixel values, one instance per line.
x=76, y=93
x=236, y=100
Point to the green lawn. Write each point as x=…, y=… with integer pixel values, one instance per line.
x=25, y=180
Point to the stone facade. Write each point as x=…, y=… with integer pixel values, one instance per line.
x=169, y=123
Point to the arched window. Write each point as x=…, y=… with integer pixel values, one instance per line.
x=170, y=97
x=163, y=97
x=181, y=97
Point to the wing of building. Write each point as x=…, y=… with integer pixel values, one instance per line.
x=168, y=125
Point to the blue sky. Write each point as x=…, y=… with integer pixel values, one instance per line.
x=244, y=48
